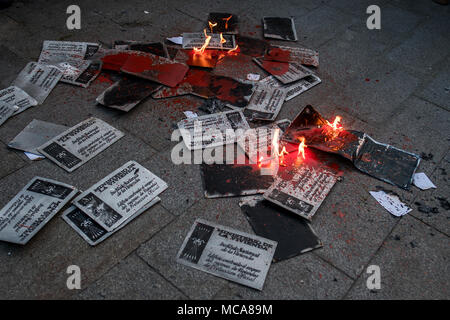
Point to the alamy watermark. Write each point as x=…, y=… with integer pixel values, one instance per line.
x=374, y=20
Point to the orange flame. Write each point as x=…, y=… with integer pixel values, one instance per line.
x=222, y=39
x=234, y=49
x=202, y=49
x=276, y=145
x=226, y=21
x=301, y=147
x=211, y=25
x=335, y=125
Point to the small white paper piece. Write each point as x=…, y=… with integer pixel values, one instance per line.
x=391, y=203
x=190, y=114
x=176, y=40
x=253, y=77
x=421, y=181
x=33, y=156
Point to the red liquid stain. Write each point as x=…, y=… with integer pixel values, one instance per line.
x=115, y=61
x=278, y=54
x=275, y=68
x=367, y=79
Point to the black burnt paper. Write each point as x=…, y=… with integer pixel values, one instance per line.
x=382, y=161
x=293, y=233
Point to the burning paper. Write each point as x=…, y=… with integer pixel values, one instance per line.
x=295, y=88
x=31, y=209
x=293, y=234
x=120, y=196
x=34, y=135
x=285, y=72
x=290, y=54
x=38, y=80
x=379, y=160
x=227, y=253
x=219, y=22
x=126, y=93
x=15, y=99
x=421, y=181
x=302, y=189
x=265, y=103
x=197, y=40
x=77, y=145
x=210, y=130
x=280, y=28
x=391, y=202
x=90, y=230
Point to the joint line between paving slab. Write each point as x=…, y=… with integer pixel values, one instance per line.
x=433, y=103
x=332, y=265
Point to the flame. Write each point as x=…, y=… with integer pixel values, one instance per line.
x=335, y=125
x=226, y=21
x=276, y=145
x=234, y=49
x=211, y=25
x=202, y=49
x=301, y=147
x=222, y=39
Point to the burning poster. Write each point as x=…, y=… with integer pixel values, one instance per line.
x=15, y=98
x=126, y=93
x=229, y=180
x=77, y=145
x=289, y=54
x=285, y=72
x=295, y=88
x=293, y=234
x=31, y=209
x=301, y=189
x=265, y=103
x=212, y=41
x=116, y=198
x=382, y=161
x=280, y=28
x=252, y=46
x=38, y=80
x=156, y=48
x=90, y=230
x=210, y=130
x=219, y=22
x=155, y=68
x=72, y=59
x=35, y=134
x=227, y=253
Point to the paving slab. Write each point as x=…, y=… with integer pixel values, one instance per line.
x=161, y=251
x=131, y=279
x=10, y=161
x=413, y=264
x=437, y=90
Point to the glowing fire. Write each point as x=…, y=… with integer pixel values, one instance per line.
x=211, y=25
x=301, y=147
x=276, y=145
x=202, y=49
x=234, y=49
x=226, y=21
x=222, y=39
x=335, y=125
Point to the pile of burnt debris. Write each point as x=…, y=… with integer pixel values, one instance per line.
x=283, y=170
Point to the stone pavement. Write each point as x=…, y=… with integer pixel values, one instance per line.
x=392, y=83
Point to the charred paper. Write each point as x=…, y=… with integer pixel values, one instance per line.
x=15, y=98
x=90, y=230
x=196, y=40
x=265, y=103
x=126, y=93
x=35, y=134
x=295, y=88
x=32, y=208
x=293, y=234
x=77, y=145
x=156, y=48
x=38, y=80
x=288, y=54
x=285, y=72
x=119, y=196
x=302, y=189
x=210, y=130
x=227, y=253
x=220, y=22
x=280, y=28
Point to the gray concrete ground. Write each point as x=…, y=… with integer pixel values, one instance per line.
x=392, y=83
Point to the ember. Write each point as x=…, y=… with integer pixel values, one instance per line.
x=202, y=49
x=301, y=147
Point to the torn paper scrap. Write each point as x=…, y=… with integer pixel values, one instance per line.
x=90, y=230
x=38, y=80
x=33, y=156
x=16, y=98
x=253, y=76
x=285, y=72
x=34, y=135
x=31, y=209
x=279, y=28
x=293, y=89
x=77, y=145
x=288, y=54
x=123, y=193
x=210, y=130
x=227, y=253
x=190, y=114
x=421, y=181
x=265, y=103
x=176, y=40
x=391, y=202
